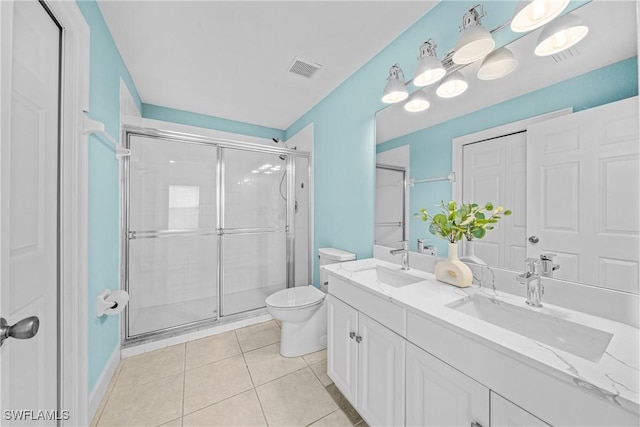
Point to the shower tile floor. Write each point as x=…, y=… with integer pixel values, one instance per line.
x=236, y=378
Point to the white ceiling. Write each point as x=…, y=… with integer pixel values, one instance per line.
x=230, y=59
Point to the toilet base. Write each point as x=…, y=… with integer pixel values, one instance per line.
x=297, y=339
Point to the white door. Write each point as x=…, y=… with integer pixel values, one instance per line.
x=342, y=349
x=380, y=374
x=495, y=170
x=583, y=194
x=439, y=395
x=29, y=211
x=390, y=206
x=507, y=414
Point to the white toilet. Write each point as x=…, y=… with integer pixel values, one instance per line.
x=303, y=312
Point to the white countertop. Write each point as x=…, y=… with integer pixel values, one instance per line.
x=615, y=377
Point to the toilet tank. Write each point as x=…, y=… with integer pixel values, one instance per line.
x=331, y=256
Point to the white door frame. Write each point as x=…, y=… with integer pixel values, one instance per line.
x=73, y=194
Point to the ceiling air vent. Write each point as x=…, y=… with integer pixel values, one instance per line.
x=304, y=68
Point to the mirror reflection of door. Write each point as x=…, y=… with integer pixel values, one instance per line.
x=583, y=194
x=494, y=170
x=573, y=184
x=390, y=205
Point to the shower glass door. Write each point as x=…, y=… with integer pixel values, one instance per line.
x=173, y=246
x=254, y=228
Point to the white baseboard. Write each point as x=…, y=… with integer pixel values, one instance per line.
x=99, y=390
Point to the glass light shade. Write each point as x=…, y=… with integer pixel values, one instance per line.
x=561, y=34
x=474, y=43
x=417, y=102
x=452, y=85
x=394, y=91
x=534, y=14
x=429, y=71
x=497, y=64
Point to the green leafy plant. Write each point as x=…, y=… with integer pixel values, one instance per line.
x=467, y=220
x=482, y=219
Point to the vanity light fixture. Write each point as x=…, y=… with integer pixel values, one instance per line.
x=475, y=42
x=430, y=69
x=497, y=64
x=532, y=14
x=395, y=90
x=417, y=102
x=452, y=85
x=560, y=34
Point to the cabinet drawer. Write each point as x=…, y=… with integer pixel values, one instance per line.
x=379, y=309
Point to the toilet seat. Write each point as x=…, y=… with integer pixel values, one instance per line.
x=295, y=298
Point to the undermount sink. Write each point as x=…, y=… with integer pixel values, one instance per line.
x=389, y=277
x=582, y=341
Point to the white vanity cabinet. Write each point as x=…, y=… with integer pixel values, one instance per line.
x=439, y=395
x=366, y=362
x=507, y=414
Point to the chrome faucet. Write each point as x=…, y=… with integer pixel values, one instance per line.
x=531, y=278
x=425, y=249
x=547, y=267
x=404, y=250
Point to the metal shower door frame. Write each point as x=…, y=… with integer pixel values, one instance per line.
x=127, y=132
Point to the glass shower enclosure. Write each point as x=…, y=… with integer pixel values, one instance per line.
x=211, y=228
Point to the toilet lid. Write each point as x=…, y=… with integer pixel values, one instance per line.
x=295, y=297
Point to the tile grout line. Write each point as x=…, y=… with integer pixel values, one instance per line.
x=255, y=390
x=184, y=383
x=323, y=417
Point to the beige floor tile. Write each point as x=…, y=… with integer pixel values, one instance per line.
x=260, y=335
x=320, y=369
x=334, y=419
x=212, y=349
x=316, y=357
x=107, y=393
x=266, y=364
x=173, y=423
x=344, y=404
x=149, y=404
x=214, y=382
x=241, y=410
x=151, y=366
x=295, y=400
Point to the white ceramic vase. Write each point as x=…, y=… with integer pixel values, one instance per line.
x=470, y=253
x=452, y=270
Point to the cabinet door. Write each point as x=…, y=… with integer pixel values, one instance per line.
x=342, y=350
x=381, y=374
x=439, y=395
x=507, y=414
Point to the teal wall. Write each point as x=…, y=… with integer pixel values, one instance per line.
x=200, y=120
x=430, y=148
x=106, y=68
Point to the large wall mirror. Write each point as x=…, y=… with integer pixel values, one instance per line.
x=490, y=135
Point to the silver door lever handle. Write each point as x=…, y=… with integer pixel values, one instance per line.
x=24, y=329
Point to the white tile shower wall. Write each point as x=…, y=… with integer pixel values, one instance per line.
x=618, y=306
